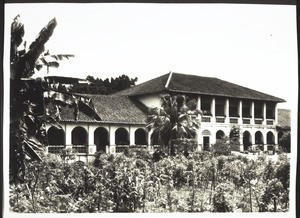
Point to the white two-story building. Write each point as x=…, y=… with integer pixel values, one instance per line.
x=123, y=115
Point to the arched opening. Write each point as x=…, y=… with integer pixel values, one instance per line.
x=121, y=137
x=140, y=137
x=56, y=136
x=246, y=140
x=259, y=138
x=206, y=140
x=220, y=135
x=270, y=138
x=101, y=138
x=79, y=136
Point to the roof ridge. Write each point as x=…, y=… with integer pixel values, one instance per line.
x=169, y=78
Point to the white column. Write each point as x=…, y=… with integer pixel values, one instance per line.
x=68, y=135
x=264, y=137
x=227, y=110
x=275, y=137
x=276, y=114
x=131, y=136
x=112, y=143
x=199, y=102
x=264, y=113
x=111, y=136
x=252, y=112
x=253, y=137
x=213, y=110
x=92, y=148
x=241, y=147
x=240, y=112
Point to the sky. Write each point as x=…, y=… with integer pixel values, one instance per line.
x=251, y=45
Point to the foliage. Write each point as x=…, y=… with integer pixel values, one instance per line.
x=104, y=87
x=134, y=183
x=285, y=142
x=28, y=114
x=173, y=123
x=234, y=135
x=222, y=147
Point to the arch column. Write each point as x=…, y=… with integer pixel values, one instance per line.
x=112, y=144
x=92, y=148
x=131, y=136
x=253, y=138
x=68, y=135
x=275, y=138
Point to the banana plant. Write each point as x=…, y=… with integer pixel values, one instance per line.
x=28, y=115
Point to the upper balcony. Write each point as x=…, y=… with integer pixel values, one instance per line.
x=236, y=111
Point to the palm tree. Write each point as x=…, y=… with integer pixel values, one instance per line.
x=27, y=107
x=175, y=123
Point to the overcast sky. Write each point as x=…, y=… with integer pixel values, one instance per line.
x=250, y=45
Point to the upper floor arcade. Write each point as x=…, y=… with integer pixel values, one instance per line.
x=237, y=111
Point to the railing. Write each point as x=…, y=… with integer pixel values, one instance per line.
x=205, y=119
x=270, y=122
x=55, y=149
x=258, y=121
x=233, y=120
x=220, y=119
x=121, y=148
x=80, y=148
x=246, y=121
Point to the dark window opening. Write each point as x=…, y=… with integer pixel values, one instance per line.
x=140, y=137
x=220, y=107
x=246, y=140
x=246, y=109
x=101, y=138
x=56, y=136
x=270, y=138
x=270, y=111
x=233, y=108
x=220, y=135
x=258, y=110
x=259, y=138
x=206, y=105
x=122, y=137
x=79, y=136
x=206, y=143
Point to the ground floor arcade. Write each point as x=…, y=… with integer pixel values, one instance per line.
x=88, y=138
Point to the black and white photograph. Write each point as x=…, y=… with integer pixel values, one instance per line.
x=150, y=108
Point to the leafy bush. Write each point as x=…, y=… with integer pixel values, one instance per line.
x=135, y=183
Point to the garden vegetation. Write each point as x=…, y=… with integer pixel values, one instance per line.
x=134, y=182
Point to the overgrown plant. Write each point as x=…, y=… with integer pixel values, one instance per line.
x=174, y=121
x=28, y=116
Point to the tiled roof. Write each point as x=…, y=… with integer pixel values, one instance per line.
x=185, y=83
x=111, y=109
x=284, y=117
x=151, y=86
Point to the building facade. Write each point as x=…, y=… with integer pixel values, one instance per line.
x=123, y=115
